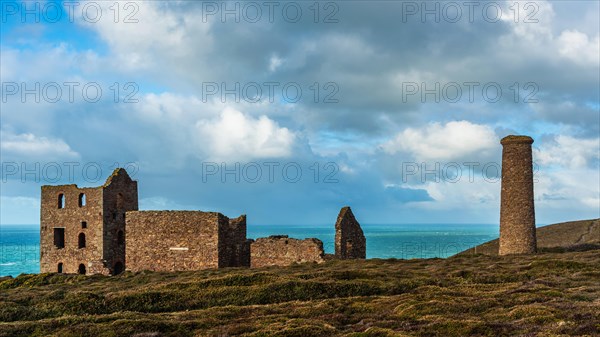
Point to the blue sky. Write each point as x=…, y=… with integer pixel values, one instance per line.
x=399, y=116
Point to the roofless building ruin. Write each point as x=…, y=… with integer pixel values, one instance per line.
x=100, y=230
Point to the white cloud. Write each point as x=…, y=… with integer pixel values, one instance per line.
x=479, y=193
x=536, y=34
x=236, y=136
x=167, y=107
x=46, y=63
x=531, y=21
x=274, y=63
x=146, y=28
x=579, y=48
x=30, y=146
x=450, y=141
x=568, y=194
x=213, y=129
x=568, y=152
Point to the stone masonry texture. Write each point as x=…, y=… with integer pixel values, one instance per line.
x=517, y=212
x=280, y=250
x=184, y=240
x=350, y=242
x=89, y=222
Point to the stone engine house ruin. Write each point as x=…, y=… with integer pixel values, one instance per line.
x=82, y=230
x=99, y=230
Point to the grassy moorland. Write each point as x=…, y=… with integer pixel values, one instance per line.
x=548, y=294
x=565, y=234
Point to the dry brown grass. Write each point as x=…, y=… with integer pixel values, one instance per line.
x=548, y=294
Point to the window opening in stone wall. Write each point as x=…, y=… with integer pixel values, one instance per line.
x=59, y=237
x=81, y=240
x=81, y=199
x=61, y=201
x=81, y=269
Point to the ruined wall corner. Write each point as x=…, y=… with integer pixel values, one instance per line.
x=350, y=241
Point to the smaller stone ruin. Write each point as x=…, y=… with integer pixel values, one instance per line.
x=281, y=250
x=350, y=242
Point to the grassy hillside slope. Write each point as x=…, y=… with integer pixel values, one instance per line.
x=553, y=293
x=569, y=235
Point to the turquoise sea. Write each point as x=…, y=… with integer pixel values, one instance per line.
x=19, y=244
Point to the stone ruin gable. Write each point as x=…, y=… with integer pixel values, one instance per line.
x=120, y=196
x=83, y=214
x=66, y=224
x=280, y=250
x=517, y=211
x=350, y=242
x=182, y=240
x=234, y=248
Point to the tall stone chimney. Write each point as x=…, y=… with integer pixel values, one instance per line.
x=517, y=212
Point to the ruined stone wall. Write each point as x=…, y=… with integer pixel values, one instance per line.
x=280, y=250
x=234, y=249
x=172, y=240
x=120, y=195
x=350, y=241
x=517, y=212
x=75, y=220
